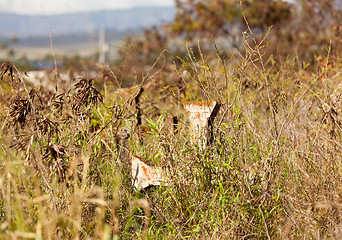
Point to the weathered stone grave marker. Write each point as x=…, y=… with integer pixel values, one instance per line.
x=144, y=175
x=131, y=96
x=201, y=115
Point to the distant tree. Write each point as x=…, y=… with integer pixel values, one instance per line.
x=11, y=52
x=213, y=17
x=307, y=26
x=14, y=40
x=48, y=57
x=3, y=45
x=316, y=24
x=265, y=13
x=7, y=45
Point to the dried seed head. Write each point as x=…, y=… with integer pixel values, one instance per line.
x=12, y=71
x=19, y=110
x=86, y=95
x=48, y=127
x=55, y=156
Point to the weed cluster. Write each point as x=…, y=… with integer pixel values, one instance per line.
x=273, y=169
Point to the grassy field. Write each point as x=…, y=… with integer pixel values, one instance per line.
x=272, y=171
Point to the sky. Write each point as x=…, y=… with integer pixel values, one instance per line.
x=48, y=7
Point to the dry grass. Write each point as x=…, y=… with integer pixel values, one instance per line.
x=273, y=170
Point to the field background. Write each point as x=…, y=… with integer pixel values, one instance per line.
x=272, y=169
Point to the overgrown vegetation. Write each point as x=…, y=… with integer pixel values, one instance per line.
x=273, y=170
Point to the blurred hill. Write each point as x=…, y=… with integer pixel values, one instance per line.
x=117, y=20
x=28, y=36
